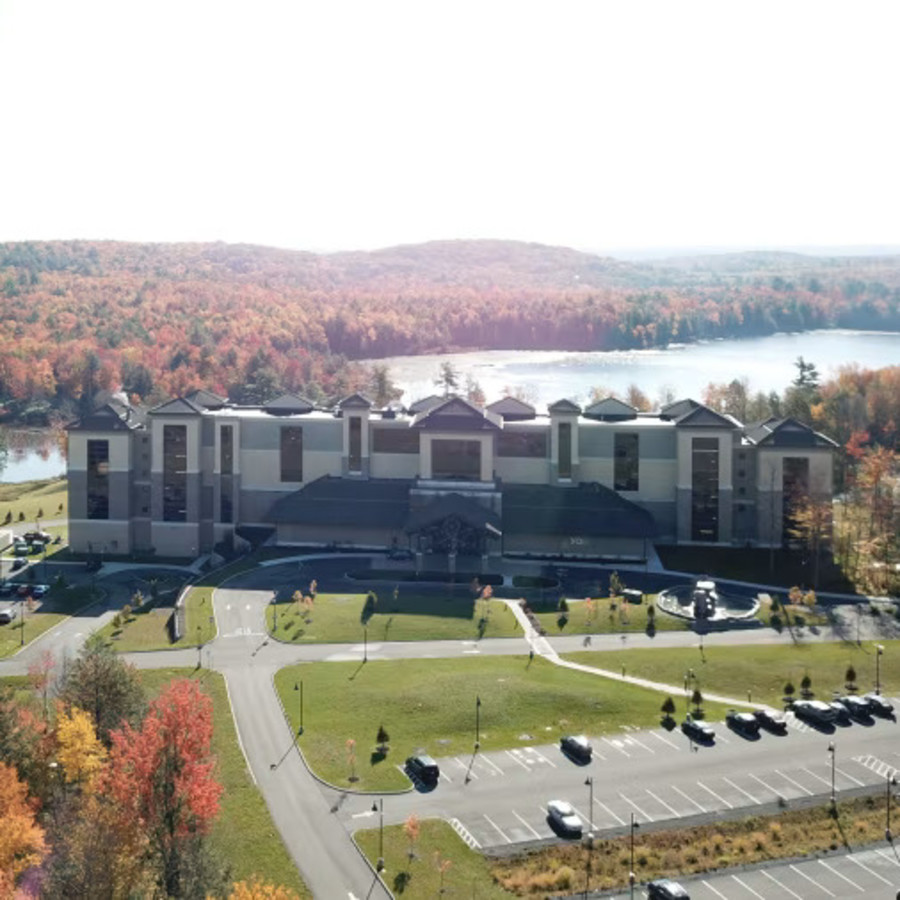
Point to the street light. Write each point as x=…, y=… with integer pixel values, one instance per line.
x=891, y=782
x=879, y=649
x=365, y=643
x=378, y=807
x=199, y=648
x=477, y=722
x=589, y=839
x=833, y=803
x=634, y=824
x=589, y=781
x=299, y=686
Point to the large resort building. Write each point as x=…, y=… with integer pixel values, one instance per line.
x=441, y=477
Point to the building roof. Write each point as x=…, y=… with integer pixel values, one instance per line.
x=109, y=417
x=180, y=406
x=567, y=407
x=206, y=399
x=288, y=405
x=426, y=403
x=610, y=409
x=355, y=401
x=511, y=409
x=703, y=417
x=786, y=433
x=589, y=510
x=329, y=500
x=457, y=414
x=470, y=511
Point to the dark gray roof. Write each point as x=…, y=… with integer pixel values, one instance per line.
x=565, y=406
x=426, y=403
x=355, y=401
x=610, y=409
x=338, y=501
x=109, y=417
x=465, y=508
x=511, y=409
x=786, y=433
x=180, y=406
x=703, y=417
x=590, y=510
x=206, y=399
x=288, y=405
x=456, y=414
x=678, y=409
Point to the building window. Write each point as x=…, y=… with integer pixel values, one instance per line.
x=705, y=489
x=354, y=461
x=98, y=479
x=457, y=459
x=527, y=444
x=395, y=440
x=625, y=476
x=174, y=473
x=226, y=508
x=226, y=449
x=292, y=453
x=795, y=490
x=564, y=468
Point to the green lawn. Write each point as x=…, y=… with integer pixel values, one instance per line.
x=602, y=616
x=762, y=670
x=466, y=872
x=243, y=833
x=31, y=500
x=404, y=616
x=430, y=705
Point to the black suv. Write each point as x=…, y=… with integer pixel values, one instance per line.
x=666, y=889
x=423, y=768
x=577, y=746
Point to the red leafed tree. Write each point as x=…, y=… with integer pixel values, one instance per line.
x=163, y=775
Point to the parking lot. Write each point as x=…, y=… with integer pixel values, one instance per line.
x=513, y=815
x=871, y=873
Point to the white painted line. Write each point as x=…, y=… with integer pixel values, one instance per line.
x=640, y=811
x=581, y=815
x=782, y=886
x=812, y=881
x=824, y=781
x=541, y=756
x=706, y=884
x=747, y=887
x=642, y=744
x=446, y=777
x=737, y=788
x=852, y=858
x=490, y=762
x=768, y=787
x=665, y=740
x=711, y=791
x=492, y=823
x=884, y=855
x=512, y=756
x=689, y=799
x=840, y=875
x=465, y=834
x=465, y=769
x=525, y=824
x=604, y=806
x=806, y=791
x=363, y=815
x=849, y=777
x=662, y=802
x=611, y=744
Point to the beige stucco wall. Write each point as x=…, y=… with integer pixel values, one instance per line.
x=394, y=465
x=261, y=469
x=193, y=441
x=94, y=534
x=119, y=449
x=486, y=457
x=176, y=538
x=684, y=441
x=521, y=470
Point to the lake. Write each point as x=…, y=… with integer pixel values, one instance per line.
x=548, y=375
x=30, y=455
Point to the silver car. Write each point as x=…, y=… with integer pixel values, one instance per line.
x=563, y=817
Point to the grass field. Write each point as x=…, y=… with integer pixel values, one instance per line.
x=430, y=705
x=762, y=670
x=604, y=615
x=25, y=501
x=404, y=616
x=243, y=833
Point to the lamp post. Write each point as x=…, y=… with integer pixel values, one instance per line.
x=879, y=649
x=365, y=643
x=631, y=879
x=299, y=686
x=589, y=781
x=833, y=803
x=199, y=648
x=589, y=839
x=378, y=807
x=891, y=782
x=477, y=722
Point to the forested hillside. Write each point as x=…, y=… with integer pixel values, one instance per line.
x=159, y=319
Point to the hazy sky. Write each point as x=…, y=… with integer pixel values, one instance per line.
x=351, y=125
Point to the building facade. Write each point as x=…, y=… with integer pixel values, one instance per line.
x=442, y=476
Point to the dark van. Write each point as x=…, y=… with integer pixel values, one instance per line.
x=424, y=768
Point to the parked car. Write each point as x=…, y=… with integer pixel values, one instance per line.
x=424, y=768
x=742, y=721
x=666, y=889
x=814, y=711
x=20, y=549
x=18, y=563
x=7, y=588
x=576, y=746
x=841, y=713
x=24, y=590
x=37, y=537
x=771, y=721
x=698, y=730
x=400, y=553
x=7, y=614
x=39, y=590
x=858, y=707
x=563, y=817
x=879, y=705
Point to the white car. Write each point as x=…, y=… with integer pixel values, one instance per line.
x=814, y=710
x=563, y=817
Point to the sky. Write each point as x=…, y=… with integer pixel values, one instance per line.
x=355, y=125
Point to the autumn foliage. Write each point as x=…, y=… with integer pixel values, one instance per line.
x=22, y=843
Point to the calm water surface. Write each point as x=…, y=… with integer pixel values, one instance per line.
x=685, y=370
x=29, y=455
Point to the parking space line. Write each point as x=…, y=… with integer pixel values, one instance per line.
x=464, y=767
x=812, y=880
x=768, y=787
x=642, y=744
x=782, y=886
x=611, y=744
x=490, y=763
x=806, y=791
x=849, y=777
x=604, y=806
x=665, y=740
x=662, y=802
x=642, y=813
x=689, y=799
x=446, y=777
x=512, y=756
x=840, y=875
x=540, y=755
x=711, y=791
x=581, y=815
x=852, y=858
x=823, y=780
x=532, y=830
x=890, y=859
x=745, y=793
x=494, y=824
x=717, y=893
x=747, y=887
